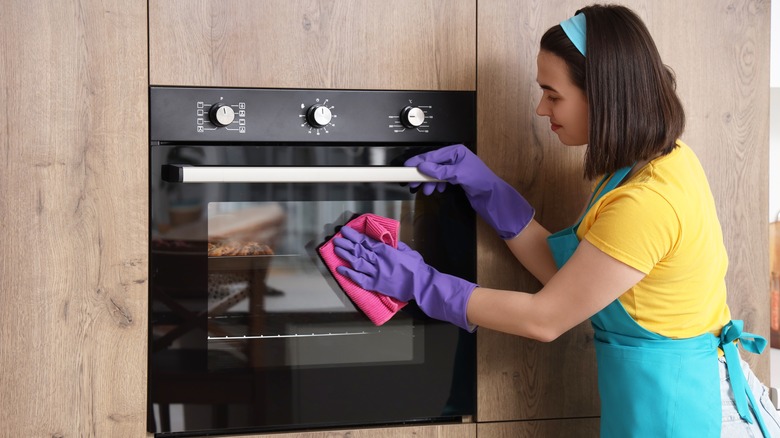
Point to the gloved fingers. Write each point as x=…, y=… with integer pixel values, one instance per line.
x=362, y=248
x=353, y=235
x=362, y=280
x=355, y=250
x=428, y=188
x=441, y=155
x=345, y=255
x=357, y=261
x=361, y=239
x=415, y=160
x=345, y=244
x=426, y=168
x=444, y=172
x=452, y=154
x=440, y=164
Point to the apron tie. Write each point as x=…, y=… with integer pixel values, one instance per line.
x=742, y=394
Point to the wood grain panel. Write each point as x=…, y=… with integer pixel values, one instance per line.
x=73, y=83
x=722, y=63
x=374, y=44
x=519, y=378
x=719, y=51
x=722, y=67
x=580, y=428
x=440, y=431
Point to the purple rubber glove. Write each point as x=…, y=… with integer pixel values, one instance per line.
x=403, y=274
x=492, y=198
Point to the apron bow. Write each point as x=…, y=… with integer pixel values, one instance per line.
x=742, y=394
x=750, y=342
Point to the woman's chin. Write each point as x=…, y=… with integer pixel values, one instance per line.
x=571, y=142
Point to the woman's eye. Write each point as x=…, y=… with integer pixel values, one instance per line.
x=552, y=98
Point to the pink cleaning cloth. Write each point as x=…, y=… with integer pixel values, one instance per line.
x=379, y=308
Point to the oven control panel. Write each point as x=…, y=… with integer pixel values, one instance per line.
x=303, y=115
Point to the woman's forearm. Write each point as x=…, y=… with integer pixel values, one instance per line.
x=531, y=250
x=511, y=312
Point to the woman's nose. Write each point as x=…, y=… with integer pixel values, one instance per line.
x=541, y=110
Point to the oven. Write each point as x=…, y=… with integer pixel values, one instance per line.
x=248, y=330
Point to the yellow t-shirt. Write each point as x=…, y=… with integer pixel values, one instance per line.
x=662, y=221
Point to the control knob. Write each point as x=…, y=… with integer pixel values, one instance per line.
x=412, y=117
x=318, y=115
x=221, y=114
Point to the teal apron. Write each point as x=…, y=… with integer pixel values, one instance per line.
x=654, y=386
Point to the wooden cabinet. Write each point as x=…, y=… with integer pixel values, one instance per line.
x=368, y=44
x=519, y=378
x=570, y=427
x=719, y=51
x=74, y=219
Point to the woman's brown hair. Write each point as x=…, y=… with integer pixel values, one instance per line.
x=634, y=111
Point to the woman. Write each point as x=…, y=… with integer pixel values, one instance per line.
x=646, y=262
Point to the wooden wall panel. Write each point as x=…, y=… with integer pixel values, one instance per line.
x=73, y=82
x=371, y=44
x=722, y=64
x=720, y=52
x=519, y=378
x=580, y=428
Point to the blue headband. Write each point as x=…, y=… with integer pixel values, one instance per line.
x=574, y=28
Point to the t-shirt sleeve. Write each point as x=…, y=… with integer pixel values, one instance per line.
x=635, y=225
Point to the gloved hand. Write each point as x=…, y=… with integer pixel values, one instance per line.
x=492, y=198
x=403, y=274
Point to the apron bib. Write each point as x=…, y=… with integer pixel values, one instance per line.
x=651, y=385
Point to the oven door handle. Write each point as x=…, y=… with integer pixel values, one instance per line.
x=182, y=173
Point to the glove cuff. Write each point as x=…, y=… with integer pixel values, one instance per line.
x=453, y=294
x=504, y=209
x=466, y=325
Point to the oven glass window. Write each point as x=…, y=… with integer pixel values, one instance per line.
x=273, y=302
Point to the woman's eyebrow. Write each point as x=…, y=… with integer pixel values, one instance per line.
x=547, y=87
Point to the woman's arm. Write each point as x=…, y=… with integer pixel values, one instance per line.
x=587, y=283
x=531, y=250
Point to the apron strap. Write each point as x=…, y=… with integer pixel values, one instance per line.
x=612, y=181
x=743, y=396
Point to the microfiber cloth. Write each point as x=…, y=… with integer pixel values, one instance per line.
x=379, y=308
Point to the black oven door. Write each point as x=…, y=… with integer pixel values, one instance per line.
x=248, y=329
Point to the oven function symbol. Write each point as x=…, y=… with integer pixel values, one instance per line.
x=318, y=117
x=412, y=116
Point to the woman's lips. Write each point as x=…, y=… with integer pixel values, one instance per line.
x=554, y=127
